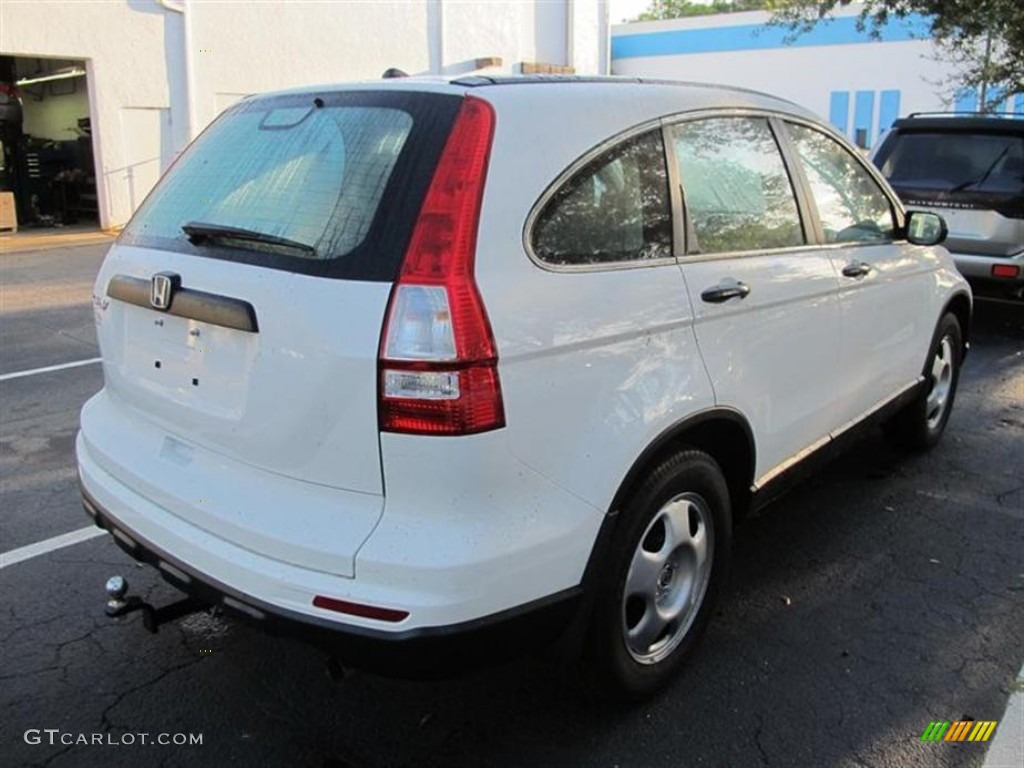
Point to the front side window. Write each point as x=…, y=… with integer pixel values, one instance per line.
x=851, y=205
x=737, y=194
x=615, y=209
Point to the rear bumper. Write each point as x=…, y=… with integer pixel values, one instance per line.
x=420, y=652
x=465, y=532
x=475, y=558
x=977, y=269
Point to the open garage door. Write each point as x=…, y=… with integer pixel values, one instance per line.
x=46, y=135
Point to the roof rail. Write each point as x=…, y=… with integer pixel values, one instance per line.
x=475, y=81
x=966, y=114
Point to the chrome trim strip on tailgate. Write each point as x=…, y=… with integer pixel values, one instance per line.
x=195, y=305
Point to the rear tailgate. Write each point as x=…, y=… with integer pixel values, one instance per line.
x=241, y=368
x=297, y=396
x=984, y=224
x=969, y=170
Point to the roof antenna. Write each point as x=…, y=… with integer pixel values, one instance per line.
x=393, y=72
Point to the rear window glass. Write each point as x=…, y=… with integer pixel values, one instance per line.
x=304, y=172
x=948, y=161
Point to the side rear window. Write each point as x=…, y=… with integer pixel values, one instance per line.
x=737, y=194
x=340, y=178
x=851, y=205
x=615, y=209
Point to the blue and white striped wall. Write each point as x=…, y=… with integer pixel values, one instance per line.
x=860, y=83
x=736, y=33
x=969, y=100
x=872, y=113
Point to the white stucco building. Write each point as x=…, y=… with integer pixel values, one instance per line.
x=150, y=75
x=858, y=82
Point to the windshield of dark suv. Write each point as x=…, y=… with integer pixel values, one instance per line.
x=322, y=184
x=951, y=161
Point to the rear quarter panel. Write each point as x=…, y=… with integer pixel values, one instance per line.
x=594, y=365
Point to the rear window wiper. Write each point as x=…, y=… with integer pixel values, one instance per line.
x=199, y=232
x=984, y=177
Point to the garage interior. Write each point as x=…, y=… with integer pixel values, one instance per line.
x=46, y=150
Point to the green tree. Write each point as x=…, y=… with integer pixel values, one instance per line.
x=983, y=38
x=677, y=9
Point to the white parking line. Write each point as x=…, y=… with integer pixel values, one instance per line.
x=49, y=545
x=49, y=368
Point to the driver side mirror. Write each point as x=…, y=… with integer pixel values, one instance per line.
x=926, y=228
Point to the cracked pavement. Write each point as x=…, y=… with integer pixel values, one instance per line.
x=885, y=592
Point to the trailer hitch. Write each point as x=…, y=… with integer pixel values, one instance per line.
x=120, y=603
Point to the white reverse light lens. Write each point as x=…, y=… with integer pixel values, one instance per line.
x=420, y=327
x=422, y=385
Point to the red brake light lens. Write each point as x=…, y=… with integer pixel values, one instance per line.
x=1005, y=270
x=438, y=362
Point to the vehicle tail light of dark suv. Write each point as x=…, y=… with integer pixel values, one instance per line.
x=438, y=365
x=1005, y=270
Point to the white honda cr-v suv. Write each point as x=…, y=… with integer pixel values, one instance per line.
x=430, y=370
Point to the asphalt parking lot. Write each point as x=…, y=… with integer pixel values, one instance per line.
x=886, y=592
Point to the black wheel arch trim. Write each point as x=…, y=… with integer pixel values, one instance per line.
x=965, y=328
x=593, y=570
x=671, y=434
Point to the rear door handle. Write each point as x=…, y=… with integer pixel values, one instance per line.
x=856, y=269
x=728, y=289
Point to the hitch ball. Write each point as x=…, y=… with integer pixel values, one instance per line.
x=117, y=588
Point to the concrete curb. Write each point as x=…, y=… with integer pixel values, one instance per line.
x=23, y=241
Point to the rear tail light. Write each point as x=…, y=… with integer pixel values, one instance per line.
x=1005, y=270
x=438, y=362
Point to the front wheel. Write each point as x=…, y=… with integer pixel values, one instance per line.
x=666, y=568
x=921, y=423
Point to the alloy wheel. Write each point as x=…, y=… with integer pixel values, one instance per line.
x=941, y=383
x=668, y=578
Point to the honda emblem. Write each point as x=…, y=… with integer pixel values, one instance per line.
x=161, y=290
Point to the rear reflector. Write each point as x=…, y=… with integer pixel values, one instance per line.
x=1005, y=270
x=125, y=539
x=238, y=605
x=357, y=609
x=438, y=362
x=175, y=573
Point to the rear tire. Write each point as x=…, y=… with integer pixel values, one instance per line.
x=919, y=426
x=665, y=571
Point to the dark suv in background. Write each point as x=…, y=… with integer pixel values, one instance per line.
x=969, y=168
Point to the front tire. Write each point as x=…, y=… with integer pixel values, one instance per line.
x=919, y=426
x=666, y=569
